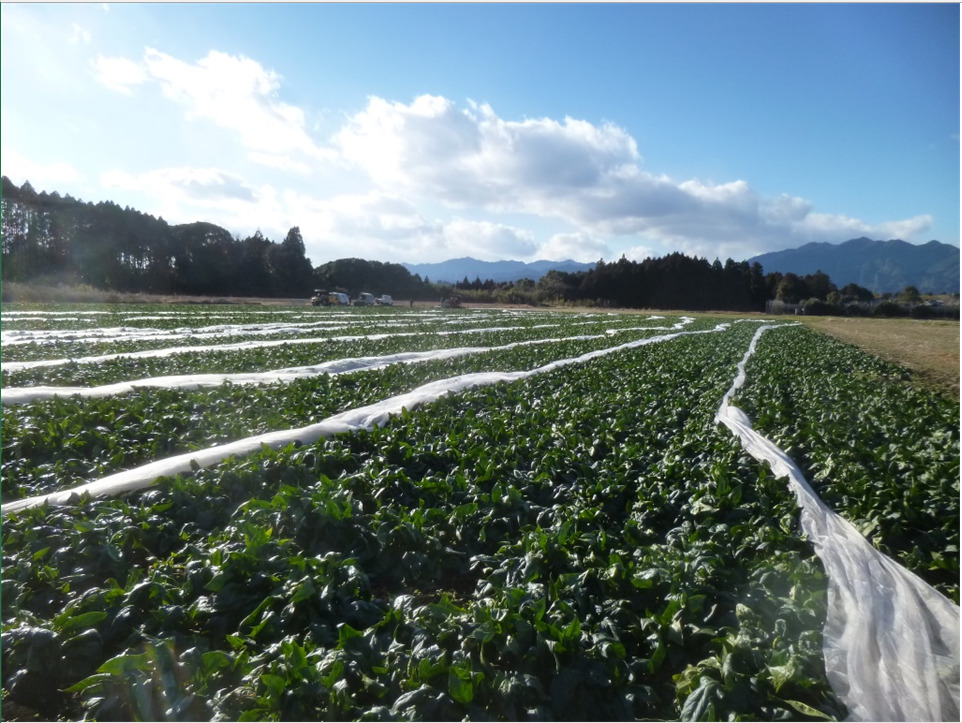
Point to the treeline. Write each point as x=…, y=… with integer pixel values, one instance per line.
x=53, y=238
x=674, y=281
x=50, y=237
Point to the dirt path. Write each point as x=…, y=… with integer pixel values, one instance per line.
x=928, y=348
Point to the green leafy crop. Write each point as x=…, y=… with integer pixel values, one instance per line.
x=583, y=544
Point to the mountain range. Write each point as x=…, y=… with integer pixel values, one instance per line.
x=881, y=266
x=455, y=270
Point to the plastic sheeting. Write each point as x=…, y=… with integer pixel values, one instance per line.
x=12, y=338
x=24, y=395
x=136, y=333
x=891, y=641
x=365, y=417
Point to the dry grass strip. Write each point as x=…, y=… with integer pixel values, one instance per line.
x=929, y=349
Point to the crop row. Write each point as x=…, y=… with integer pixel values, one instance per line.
x=123, y=364
x=582, y=544
x=879, y=450
x=25, y=352
x=53, y=318
x=51, y=444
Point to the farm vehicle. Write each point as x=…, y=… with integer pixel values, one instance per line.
x=329, y=298
x=337, y=298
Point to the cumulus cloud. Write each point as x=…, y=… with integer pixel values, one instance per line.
x=824, y=227
x=373, y=218
x=233, y=92
x=20, y=169
x=467, y=160
x=578, y=246
x=119, y=74
x=390, y=227
x=195, y=184
x=373, y=225
x=487, y=241
x=639, y=253
x=472, y=157
x=79, y=35
x=185, y=194
x=588, y=175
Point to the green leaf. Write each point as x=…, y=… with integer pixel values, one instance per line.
x=781, y=674
x=304, y=591
x=82, y=621
x=808, y=710
x=215, y=660
x=346, y=633
x=95, y=679
x=40, y=554
x=460, y=686
x=700, y=705
x=275, y=682
x=123, y=665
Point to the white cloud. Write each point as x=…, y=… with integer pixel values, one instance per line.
x=639, y=253
x=281, y=162
x=237, y=93
x=390, y=228
x=375, y=217
x=118, y=74
x=588, y=175
x=194, y=184
x=487, y=241
x=42, y=176
x=79, y=35
x=471, y=157
x=578, y=246
x=430, y=153
x=784, y=210
x=828, y=227
x=185, y=194
x=375, y=225
x=233, y=92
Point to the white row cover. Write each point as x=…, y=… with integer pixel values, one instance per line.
x=891, y=641
x=23, y=395
x=13, y=366
x=366, y=417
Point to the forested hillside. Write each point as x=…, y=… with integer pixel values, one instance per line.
x=882, y=266
x=109, y=247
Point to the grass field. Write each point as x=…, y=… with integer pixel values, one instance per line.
x=929, y=349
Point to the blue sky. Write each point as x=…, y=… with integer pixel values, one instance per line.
x=427, y=132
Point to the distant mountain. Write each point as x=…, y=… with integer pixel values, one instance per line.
x=456, y=270
x=877, y=265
